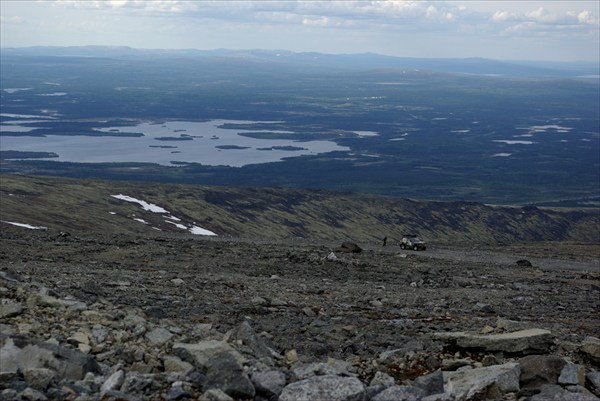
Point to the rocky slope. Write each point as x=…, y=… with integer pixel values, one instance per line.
x=181, y=317
x=80, y=206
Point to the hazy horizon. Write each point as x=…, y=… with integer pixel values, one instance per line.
x=553, y=31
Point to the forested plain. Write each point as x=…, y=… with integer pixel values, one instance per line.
x=473, y=130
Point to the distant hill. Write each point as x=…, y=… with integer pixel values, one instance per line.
x=79, y=206
x=303, y=60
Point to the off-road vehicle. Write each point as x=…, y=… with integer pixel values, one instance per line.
x=413, y=242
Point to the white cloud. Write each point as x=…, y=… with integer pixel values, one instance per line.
x=12, y=20
x=321, y=21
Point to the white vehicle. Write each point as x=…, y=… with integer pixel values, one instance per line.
x=413, y=242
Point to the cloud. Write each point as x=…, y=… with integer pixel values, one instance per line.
x=542, y=20
x=12, y=20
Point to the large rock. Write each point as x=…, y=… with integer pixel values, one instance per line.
x=269, y=383
x=252, y=343
x=552, y=392
x=349, y=247
x=537, y=370
x=19, y=353
x=520, y=342
x=324, y=388
x=432, y=383
x=591, y=347
x=200, y=354
x=490, y=382
x=592, y=381
x=572, y=375
x=9, y=308
x=225, y=373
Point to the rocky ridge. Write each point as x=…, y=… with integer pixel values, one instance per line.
x=180, y=319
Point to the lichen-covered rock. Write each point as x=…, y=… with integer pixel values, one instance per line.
x=324, y=388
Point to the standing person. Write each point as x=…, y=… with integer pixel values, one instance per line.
x=384, y=241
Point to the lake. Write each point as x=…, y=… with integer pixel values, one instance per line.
x=167, y=142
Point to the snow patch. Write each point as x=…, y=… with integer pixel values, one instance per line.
x=510, y=142
x=147, y=206
x=169, y=218
x=177, y=225
x=25, y=225
x=200, y=231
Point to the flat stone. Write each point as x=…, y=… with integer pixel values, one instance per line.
x=214, y=394
x=491, y=382
x=523, y=342
x=79, y=338
x=404, y=393
x=332, y=367
x=324, y=388
x=158, y=336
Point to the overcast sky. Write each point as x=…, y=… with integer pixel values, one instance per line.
x=508, y=30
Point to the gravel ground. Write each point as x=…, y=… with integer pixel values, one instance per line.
x=299, y=296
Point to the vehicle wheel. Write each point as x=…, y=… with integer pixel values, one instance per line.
x=402, y=246
x=415, y=248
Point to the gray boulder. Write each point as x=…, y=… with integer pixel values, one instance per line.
x=490, y=382
x=592, y=381
x=396, y=393
x=18, y=353
x=9, y=308
x=572, y=375
x=269, y=383
x=158, y=336
x=432, y=383
x=553, y=392
x=252, y=343
x=324, y=388
x=201, y=353
x=349, y=247
x=591, y=347
x=224, y=371
x=537, y=370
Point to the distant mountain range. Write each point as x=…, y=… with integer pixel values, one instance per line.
x=346, y=62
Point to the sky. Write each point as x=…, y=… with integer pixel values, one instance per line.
x=502, y=30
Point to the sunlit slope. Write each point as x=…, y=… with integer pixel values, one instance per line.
x=79, y=206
